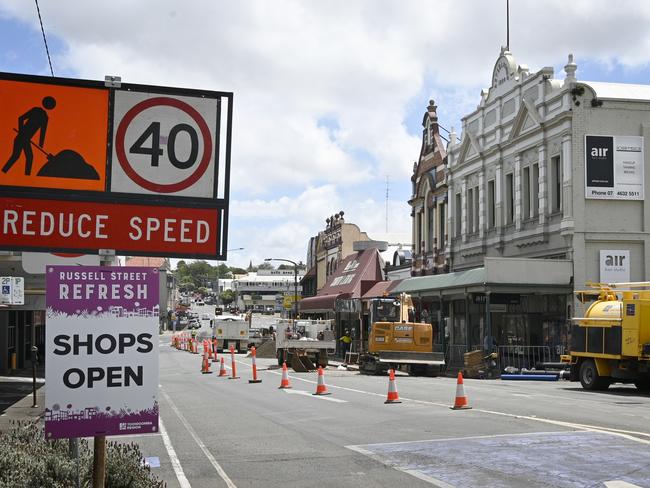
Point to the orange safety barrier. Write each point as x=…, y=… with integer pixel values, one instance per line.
x=233, y=366
x=253, y=356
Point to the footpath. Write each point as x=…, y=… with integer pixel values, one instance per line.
x=16, y=399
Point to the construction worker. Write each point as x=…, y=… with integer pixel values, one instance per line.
x=346, y=342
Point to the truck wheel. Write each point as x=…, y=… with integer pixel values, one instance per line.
x=589, y=378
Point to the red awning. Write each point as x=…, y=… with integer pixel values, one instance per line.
x=353, y=275
x=320, y=303
x=380, y=289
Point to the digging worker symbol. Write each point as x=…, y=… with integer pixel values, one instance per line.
x=32, y=121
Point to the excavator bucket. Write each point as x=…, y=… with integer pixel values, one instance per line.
x=302, y=364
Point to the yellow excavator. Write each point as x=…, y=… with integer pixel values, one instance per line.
x=611, y=343
x=395, y=342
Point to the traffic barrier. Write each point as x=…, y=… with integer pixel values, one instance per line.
x=223, y=371
x=392, y=396
x=233, y=366
x=461, y=402
x=284, y=383
x=205, y=368
x=214, y=350
x=255, y=378
x=321, y=388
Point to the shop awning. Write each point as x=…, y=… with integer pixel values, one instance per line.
x=320, y=303
x=380, y=289
x=354, y=275
x=513, y=274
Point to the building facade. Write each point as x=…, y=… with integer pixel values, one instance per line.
x=266, y=290
x=546, y=192
x=429, y=200
x=326, y=250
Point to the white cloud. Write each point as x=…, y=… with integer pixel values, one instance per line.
x=367, y=66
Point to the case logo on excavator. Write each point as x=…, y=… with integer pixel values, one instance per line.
x=404, y=328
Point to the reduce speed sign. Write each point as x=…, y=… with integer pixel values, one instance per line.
x=164, y=144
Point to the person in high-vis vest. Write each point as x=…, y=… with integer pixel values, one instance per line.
x=346, y=342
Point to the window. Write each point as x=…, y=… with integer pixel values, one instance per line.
x=534, y=190
x=510, y=199
x=459, y=214
x=441, y=227
x=431, y=214
x=556, y=184
x=470, y=211
x=476, y=209
x=525, y=192
x=491, y=210
x=418, y=233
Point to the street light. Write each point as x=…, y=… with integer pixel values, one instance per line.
x=295, y=283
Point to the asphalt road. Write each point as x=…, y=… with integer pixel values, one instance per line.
x=226, y=432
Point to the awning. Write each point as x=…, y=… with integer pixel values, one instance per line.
x=520, y=275
x=354, y=274
x=324, y=303
x=380, y=289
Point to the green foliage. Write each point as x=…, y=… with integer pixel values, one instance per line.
x=227, y=297
x=203, y=291
x=27, y=460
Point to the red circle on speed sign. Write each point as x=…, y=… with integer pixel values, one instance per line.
x=124, y=160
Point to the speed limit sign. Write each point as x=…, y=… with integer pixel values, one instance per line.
x=164, y=144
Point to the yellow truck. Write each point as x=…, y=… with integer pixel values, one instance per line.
x=395, y=341
x=611, y=343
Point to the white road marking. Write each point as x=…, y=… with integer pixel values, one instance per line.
x=627, y=434
x=320, y=397
x=176, y=464
x=620, y=484
x=222, y=474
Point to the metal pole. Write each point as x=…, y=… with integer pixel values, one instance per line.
x=295, y=290
x=34, y=405
x=73, y=446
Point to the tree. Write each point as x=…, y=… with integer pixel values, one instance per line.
x=227, y=297
x=265, y=265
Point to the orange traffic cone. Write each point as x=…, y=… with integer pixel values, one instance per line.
x=233, y=366
x=321, y=388
x=393, y=397
x=214, y=350
x=223, y=371
x=255, y=378
x=285, y=377
x=461, y=400
x=205, y=369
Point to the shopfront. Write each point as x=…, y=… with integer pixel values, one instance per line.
x=513, y=305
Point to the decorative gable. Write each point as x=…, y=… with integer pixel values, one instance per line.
x=527, y=118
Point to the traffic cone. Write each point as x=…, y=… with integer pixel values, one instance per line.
x=208, y=345
x=205, y=369
x=461, y=400
x=321, y=388
x=253, y=355
x=285, y=377
x=233, y=366
x=214, y=350
x=223, y=371
x=393, y=397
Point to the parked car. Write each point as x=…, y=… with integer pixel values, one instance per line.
x=200, y=303
x=194, y=324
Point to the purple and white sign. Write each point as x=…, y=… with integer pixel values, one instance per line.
x=101, y=351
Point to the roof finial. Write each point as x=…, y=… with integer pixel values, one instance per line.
x=570, y=70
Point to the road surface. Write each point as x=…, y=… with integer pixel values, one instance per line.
x=224, y=432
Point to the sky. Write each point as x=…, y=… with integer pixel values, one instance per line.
x=328, y=96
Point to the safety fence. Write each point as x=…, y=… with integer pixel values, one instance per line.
x=524, y=357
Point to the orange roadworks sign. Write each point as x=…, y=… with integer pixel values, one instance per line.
x=53, y=136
